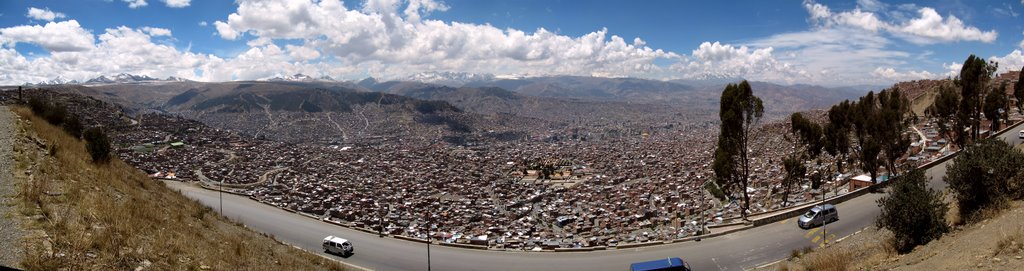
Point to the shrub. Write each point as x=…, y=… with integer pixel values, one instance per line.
x=98, y=144
x=980, y=176
x=914, y=213
x=73, y=126
x=55, y=114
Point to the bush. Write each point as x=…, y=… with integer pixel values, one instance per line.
x=981, y=174
x=915, y=214
x=55, y=114
x=73, y=126
x=98, y=144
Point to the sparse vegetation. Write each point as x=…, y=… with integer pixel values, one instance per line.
x=829, y=259
x=113, y=217
x=1010, y=243
x=914, y=213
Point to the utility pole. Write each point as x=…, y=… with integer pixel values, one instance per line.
x=429, y=240
x=824, y=231
x=220, y=193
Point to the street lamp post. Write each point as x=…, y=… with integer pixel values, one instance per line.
x=220, y=193
x=429, y=240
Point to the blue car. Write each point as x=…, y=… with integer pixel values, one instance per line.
x=667, y=264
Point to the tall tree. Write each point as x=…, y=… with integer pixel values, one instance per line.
x=865, y=122
x=1018, y=90
x=893, y=121
x=996, y=106
x=837, y=132
x=974, y=77
x=795, y=171
x=740, y=111
x=945, y=110
x=811, y=139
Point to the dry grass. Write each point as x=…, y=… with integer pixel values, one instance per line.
x=1011, y=243
x=113, y=217
x=829, y=259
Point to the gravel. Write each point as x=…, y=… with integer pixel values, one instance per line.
x=11, y=232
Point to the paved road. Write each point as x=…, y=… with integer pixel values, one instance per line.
x=737, y=251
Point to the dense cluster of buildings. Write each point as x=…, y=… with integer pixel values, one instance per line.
x=633, y=185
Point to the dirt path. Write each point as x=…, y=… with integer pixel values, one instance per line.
x=11, y=232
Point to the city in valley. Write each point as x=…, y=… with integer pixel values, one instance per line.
x=806, y=136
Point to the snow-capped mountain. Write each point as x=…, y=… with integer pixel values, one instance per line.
x=298, y=77
x=176, y=79
x=121, y=78
x=453, y=79
x=60, y=80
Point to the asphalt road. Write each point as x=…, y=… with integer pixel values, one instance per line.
x=737, y=251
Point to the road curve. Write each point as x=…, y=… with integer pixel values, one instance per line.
x=736, y=251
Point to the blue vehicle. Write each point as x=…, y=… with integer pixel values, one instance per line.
x=667, y=264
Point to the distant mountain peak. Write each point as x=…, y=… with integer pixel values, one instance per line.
x=299, y=77
x=454, y=79
x=59, y=80
x=121, y=78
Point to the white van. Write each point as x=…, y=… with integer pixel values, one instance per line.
x=337, y=245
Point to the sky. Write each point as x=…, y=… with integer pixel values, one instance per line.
x=829, y=43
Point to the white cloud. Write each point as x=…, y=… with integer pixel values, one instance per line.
x=43, y=14
x=928, y=27
x=136, y=3
x=156, y=31
x=54, y=36
x=387, y=42
x=716, y=60
x=1012, y=61
x=177, y=3
x=893, y=75
x=838, y=56
x=202, y=23
x=302, y=52
x=134, y=50
x=931, y=28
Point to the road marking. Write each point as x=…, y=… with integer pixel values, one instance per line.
x=811, y=232
x=784, y=221
x=816, y=237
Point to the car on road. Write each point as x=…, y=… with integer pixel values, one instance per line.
x=667, y=264
x=817, y=216
x=337, y=245
x=1020, y=134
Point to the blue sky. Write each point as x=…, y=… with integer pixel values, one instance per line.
x=830, y=43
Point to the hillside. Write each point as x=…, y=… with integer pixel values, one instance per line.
x=84, y=216
x=994, y=244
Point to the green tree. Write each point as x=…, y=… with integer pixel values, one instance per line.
x=98, y=145
x=914, y=213
x=1018, y=90
x=980, y=176
x=795, y=171
x=810, y=136
x=996, y=106
x=866, y=121
x=894, y=120
x=837, y=132
x=945, y=109
x=740, y=111
x=973, y=80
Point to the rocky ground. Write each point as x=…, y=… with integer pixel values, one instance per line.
x=11, y=232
